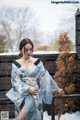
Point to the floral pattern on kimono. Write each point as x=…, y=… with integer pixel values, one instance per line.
x=19, y=94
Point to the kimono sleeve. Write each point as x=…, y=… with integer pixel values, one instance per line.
x=47, y=84
x=17, y=84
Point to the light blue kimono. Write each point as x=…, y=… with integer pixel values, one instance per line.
x=22, y=98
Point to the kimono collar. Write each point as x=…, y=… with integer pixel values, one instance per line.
x=35, y=63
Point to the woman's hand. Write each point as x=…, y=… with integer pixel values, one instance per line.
x=60, y=91
x=32, y=90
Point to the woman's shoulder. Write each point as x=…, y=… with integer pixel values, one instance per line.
x=37, y=61
x=34, y=59
x=17, y=63
x=18, y=60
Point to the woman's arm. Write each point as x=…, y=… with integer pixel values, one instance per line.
x=47, y=84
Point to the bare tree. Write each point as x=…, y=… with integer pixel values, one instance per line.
x=67, y=23
x=16, y=23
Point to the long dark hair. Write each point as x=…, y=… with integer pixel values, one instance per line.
x=23, y=43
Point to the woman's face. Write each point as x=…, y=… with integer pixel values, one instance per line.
x=27, y=50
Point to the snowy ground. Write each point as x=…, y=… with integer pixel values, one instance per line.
x=67, y=116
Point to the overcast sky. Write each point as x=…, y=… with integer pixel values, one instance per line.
x=50, y=15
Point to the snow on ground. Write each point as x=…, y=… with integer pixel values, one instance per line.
x=66, y=116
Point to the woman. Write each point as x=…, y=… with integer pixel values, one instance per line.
x=28, y=98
